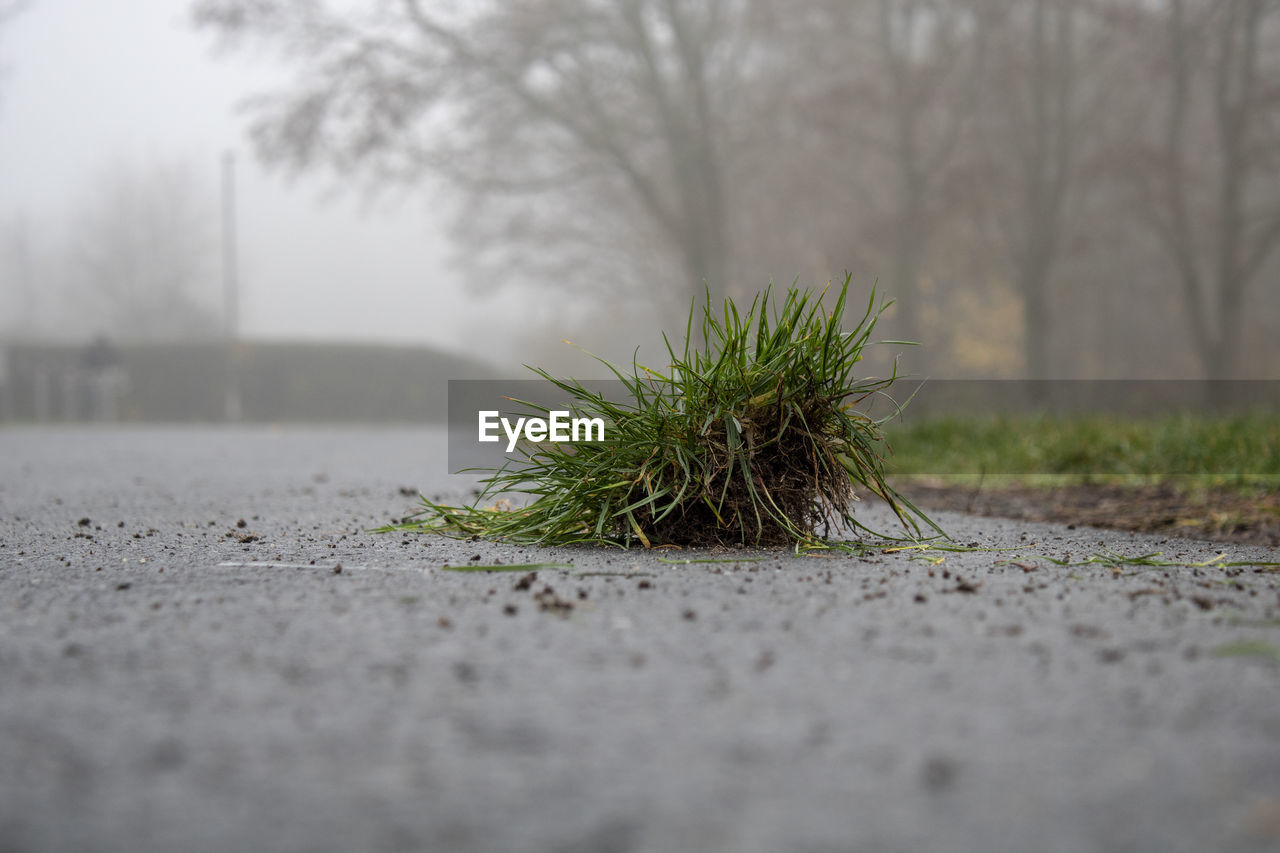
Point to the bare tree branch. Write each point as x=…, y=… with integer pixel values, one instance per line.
x=618, y=97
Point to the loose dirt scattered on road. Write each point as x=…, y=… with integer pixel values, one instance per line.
x=1218, y=514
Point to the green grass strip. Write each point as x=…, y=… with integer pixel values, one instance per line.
x=1197, y=450
x=1249, y=648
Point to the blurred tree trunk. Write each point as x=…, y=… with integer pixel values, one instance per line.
x=926, y=58
x=9, y=9
x=1046, y=154
x=1218, y=235
x=18, y=270
x=690, y=135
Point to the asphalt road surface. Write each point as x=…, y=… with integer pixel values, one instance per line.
x=183, y=667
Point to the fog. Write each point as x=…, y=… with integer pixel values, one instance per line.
x=99, y=94
x=1050, y=189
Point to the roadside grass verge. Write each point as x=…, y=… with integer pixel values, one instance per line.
x=1190, y=476
x=1189, y=451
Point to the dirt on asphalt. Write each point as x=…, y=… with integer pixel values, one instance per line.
x=203, y=648
x=1221, y=514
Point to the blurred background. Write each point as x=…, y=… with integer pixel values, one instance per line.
x=296, y=209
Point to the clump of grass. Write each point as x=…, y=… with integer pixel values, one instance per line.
x=749, y=438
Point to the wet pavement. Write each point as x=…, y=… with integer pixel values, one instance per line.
x=202, y=649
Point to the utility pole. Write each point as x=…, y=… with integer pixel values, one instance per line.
x=232, y=409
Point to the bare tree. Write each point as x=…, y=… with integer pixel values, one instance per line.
x=19, y=296
x=1033, y=113
x=886, y=86
x=1214, y=201
x=866, y=101
x=141, y=249
x=582, y=131
x=930, y=52
x=973, y=152
x=9, y=9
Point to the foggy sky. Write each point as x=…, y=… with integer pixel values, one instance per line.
x=90, y=84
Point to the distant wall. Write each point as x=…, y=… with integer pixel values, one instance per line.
x=191, y=382
x=333, y=383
